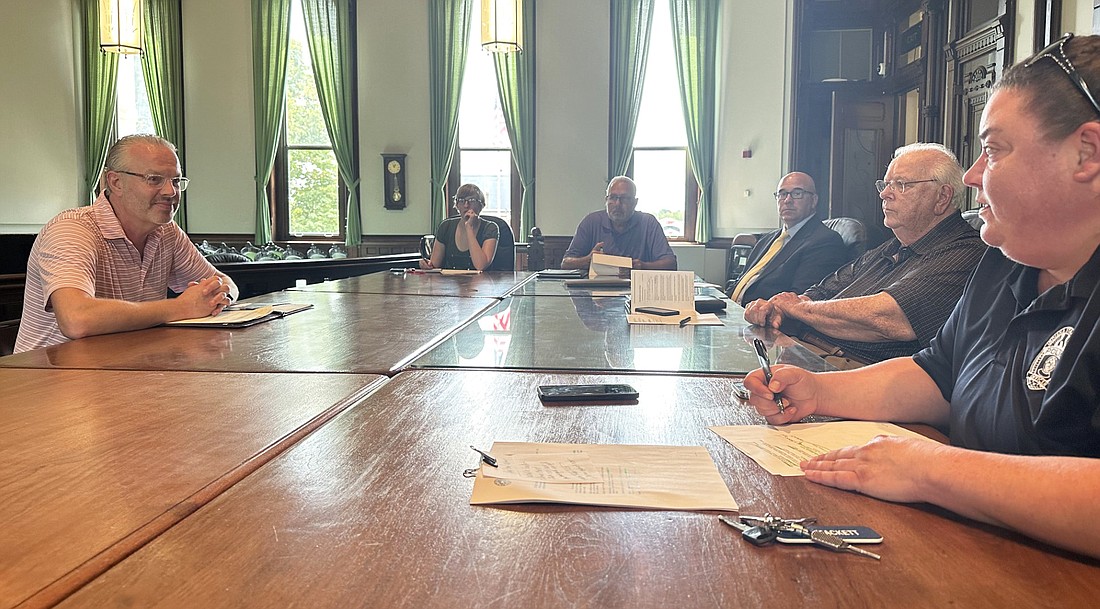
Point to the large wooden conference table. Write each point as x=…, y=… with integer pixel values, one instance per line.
x=96, y=463
x=343, y=332
x=372, y=510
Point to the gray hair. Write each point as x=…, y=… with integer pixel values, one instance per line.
x=945, y=169
x=628, y=181
x=120, y=152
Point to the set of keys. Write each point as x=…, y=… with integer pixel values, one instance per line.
x=766, y=529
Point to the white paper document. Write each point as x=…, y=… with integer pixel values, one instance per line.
x=780, y=449
x=671, y=290
x=546, y=467
x=657, y=477
x=606, y=265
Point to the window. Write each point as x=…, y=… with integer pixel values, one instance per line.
x=307, y=183
x=660, y=165
x=132, y=114
x=484, y=153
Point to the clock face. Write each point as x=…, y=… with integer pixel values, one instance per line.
x=394, y=167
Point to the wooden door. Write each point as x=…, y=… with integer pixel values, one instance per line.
x=862, y=143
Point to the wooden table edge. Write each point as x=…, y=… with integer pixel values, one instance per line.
x=74, y=580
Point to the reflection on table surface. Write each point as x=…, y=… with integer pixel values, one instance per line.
x=341, y=333
x=591, y=333
x=537, y=286
x=372, y=510
x=494, y=284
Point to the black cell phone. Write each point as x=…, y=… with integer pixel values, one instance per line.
x=663, y=312
x=587, y=393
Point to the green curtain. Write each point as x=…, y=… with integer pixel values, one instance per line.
x=516, y=86
x=162, y=66
x=448, y=33
x=631, y=23
x=270, y=39
x=328, y=29
x=695, y=38
x=100, y=97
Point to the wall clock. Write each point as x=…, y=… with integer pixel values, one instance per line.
x=393, y=180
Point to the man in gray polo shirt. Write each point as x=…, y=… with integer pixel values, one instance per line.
x=619, y=230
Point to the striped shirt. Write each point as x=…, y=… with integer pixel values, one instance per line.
x=86, y=249
x=926, y=280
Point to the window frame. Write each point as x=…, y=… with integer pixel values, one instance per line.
x=281, y=199
x=515, y=189
x=278, y=186
x=691, y=190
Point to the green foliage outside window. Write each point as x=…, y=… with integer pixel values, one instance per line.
x=312, y=173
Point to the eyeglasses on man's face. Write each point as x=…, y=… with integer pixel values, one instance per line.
x=795, y=193
x=1056, y=52
x=466, y=200
x=897, y=185
x=157, y=181
x=619, y=198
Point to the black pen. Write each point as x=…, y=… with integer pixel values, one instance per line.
x=765, y=363
x=486, y=457
x=684, y=321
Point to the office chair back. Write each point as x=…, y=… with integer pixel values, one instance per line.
x=426, y=244
x=8, y=331
x=505, y=259
x=852, y=232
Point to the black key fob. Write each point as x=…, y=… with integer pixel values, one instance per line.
x=759, y=536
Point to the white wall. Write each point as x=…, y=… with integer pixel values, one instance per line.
x=217, y=83
x=41, y=148
x=753, y=114
x=40, y=163
x=1077, y=16
x=571, y=112
x=394, y=76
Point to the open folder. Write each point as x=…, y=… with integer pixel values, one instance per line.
x=662, y=297
x=242, y=315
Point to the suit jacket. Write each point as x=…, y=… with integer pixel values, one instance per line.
x=814, y=252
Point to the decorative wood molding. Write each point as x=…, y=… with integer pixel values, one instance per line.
x=977, y=82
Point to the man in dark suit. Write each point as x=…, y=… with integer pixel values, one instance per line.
x=799, y=255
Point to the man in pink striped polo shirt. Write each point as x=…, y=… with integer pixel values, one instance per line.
x=108, y=267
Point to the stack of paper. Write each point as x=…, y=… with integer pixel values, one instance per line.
x=606, y=265
x=659, y=477
x=669, y=290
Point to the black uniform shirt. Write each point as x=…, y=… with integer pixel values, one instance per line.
x=1022, y=370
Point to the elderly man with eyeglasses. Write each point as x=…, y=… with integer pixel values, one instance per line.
x=108, y=267
x=892, y=300
x=619, y=230
x=799, y=255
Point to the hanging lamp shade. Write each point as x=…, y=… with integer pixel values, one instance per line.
x=502, y=25
x=120, y=26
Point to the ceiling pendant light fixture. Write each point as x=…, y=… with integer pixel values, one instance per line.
x=121, y=27
x=502, y=25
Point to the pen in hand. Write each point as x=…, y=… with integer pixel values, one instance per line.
x=765, y=363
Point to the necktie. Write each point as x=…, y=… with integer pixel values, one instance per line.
x=751, y=274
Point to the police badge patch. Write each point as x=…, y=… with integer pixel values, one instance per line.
x=1038, y=375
